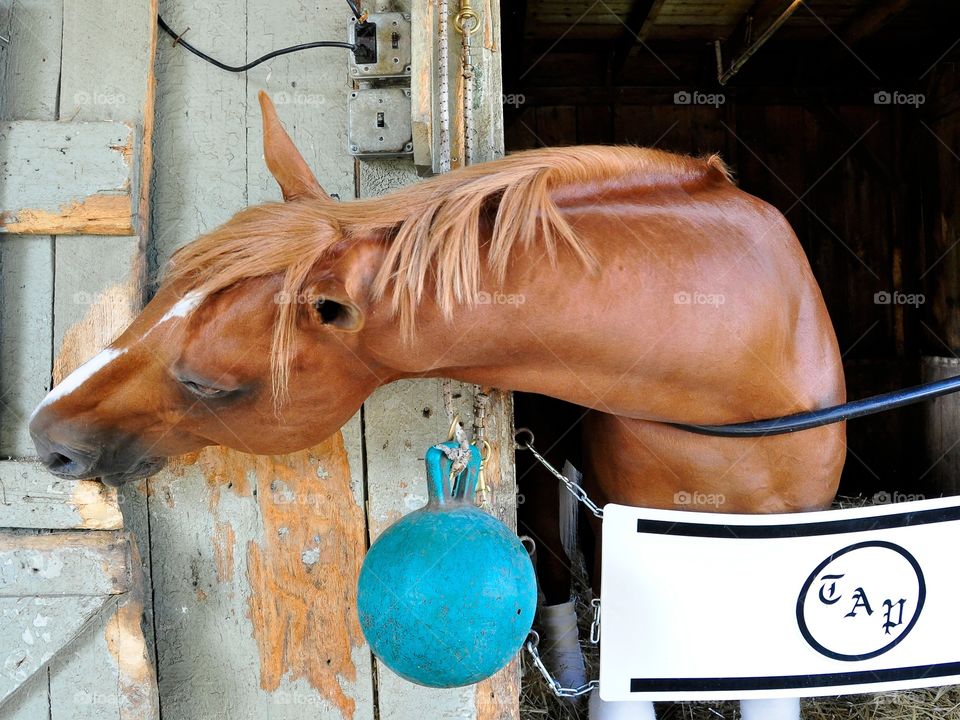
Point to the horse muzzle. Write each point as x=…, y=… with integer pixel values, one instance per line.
x=74, y=463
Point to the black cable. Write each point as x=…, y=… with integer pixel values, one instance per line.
x=826, y=416
x=243, y=68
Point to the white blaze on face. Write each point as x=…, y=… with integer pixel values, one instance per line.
x=79, y=376
x=182, y=308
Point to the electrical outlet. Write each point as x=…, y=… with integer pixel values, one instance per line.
x=378, y=122
x=383, y=46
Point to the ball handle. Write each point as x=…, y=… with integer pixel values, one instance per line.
x=441, y=488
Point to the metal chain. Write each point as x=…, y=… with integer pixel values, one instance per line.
x=578, y=492
x=562, y=692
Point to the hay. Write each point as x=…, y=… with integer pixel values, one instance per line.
x=537, y=702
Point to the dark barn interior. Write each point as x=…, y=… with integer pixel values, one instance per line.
x=843, y=114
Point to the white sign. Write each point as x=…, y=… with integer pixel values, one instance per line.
x=699, y=606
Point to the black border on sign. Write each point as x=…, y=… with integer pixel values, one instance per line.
x=921, y=598
x=799, y=529
x=864, y=678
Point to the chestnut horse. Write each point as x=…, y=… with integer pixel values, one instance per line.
x=639, y=284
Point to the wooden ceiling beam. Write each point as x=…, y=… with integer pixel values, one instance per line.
x=638, y=21
x=756, y=27
x=871, y=18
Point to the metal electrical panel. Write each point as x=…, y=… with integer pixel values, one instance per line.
x=378, y=121
x=378, y=107
x=383, y=46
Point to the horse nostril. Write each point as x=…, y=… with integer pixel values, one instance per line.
x=67, y=462
x=58, y=460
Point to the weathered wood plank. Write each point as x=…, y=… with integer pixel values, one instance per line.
x=106, y=673
x=60, y=178
x=30, y=497
x=30, y=60
x=30, y=701
x=26, y=287
x=107, y=72
x=33, y=630
x=108, y=75
x=63, y=563
x=403, y=419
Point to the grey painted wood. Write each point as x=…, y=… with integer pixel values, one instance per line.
x=63, y=563
x=29, y=78
x=30, y=701
x=30, y=62
x=105, y=672
x=61, y=177
x=98, y=291
x=26, y=289
x=30, y=497
x=32, y=631
x=107, y=75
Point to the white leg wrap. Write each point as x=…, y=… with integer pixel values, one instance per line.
x=629, y=710
x=780, y=709
x=560, y=644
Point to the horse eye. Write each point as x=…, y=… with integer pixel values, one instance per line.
x=328, y=309
x=204, y=391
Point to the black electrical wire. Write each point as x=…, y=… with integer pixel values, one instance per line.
x=243, y=68
x=826, y=416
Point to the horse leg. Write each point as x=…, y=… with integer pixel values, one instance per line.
x=538, y=515
x=634, y=462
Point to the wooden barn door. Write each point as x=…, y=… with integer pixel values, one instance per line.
x=76, y=94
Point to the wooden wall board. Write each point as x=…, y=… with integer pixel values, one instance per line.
x=60, y=178
x=26, y=289
x=30, y=497
x=35, y=629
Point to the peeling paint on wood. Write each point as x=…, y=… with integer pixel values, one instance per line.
x=108, y=314
x=100, y=214
x=62, y=178
x=30, y=497
x=63, y=563
x=223, y=542
x=135, y=681
x=302, y=604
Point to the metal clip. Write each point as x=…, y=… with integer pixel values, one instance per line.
x=595, y=625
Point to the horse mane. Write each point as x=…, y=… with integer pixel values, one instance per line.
x=433, y=231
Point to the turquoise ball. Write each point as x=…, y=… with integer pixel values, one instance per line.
x=446, y=595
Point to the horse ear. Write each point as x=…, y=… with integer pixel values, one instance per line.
x=284, y=161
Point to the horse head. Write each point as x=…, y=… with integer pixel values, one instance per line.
x=230, y=348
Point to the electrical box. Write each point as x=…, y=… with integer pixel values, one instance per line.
x=378, y=122
x=383, y=46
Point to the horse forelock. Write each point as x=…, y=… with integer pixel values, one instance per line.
x=431, y=231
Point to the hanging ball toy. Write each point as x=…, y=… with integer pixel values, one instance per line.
x=447, y=594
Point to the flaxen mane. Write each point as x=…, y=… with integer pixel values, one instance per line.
x=432, y=230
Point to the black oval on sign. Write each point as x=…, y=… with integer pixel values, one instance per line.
x=921, y=597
